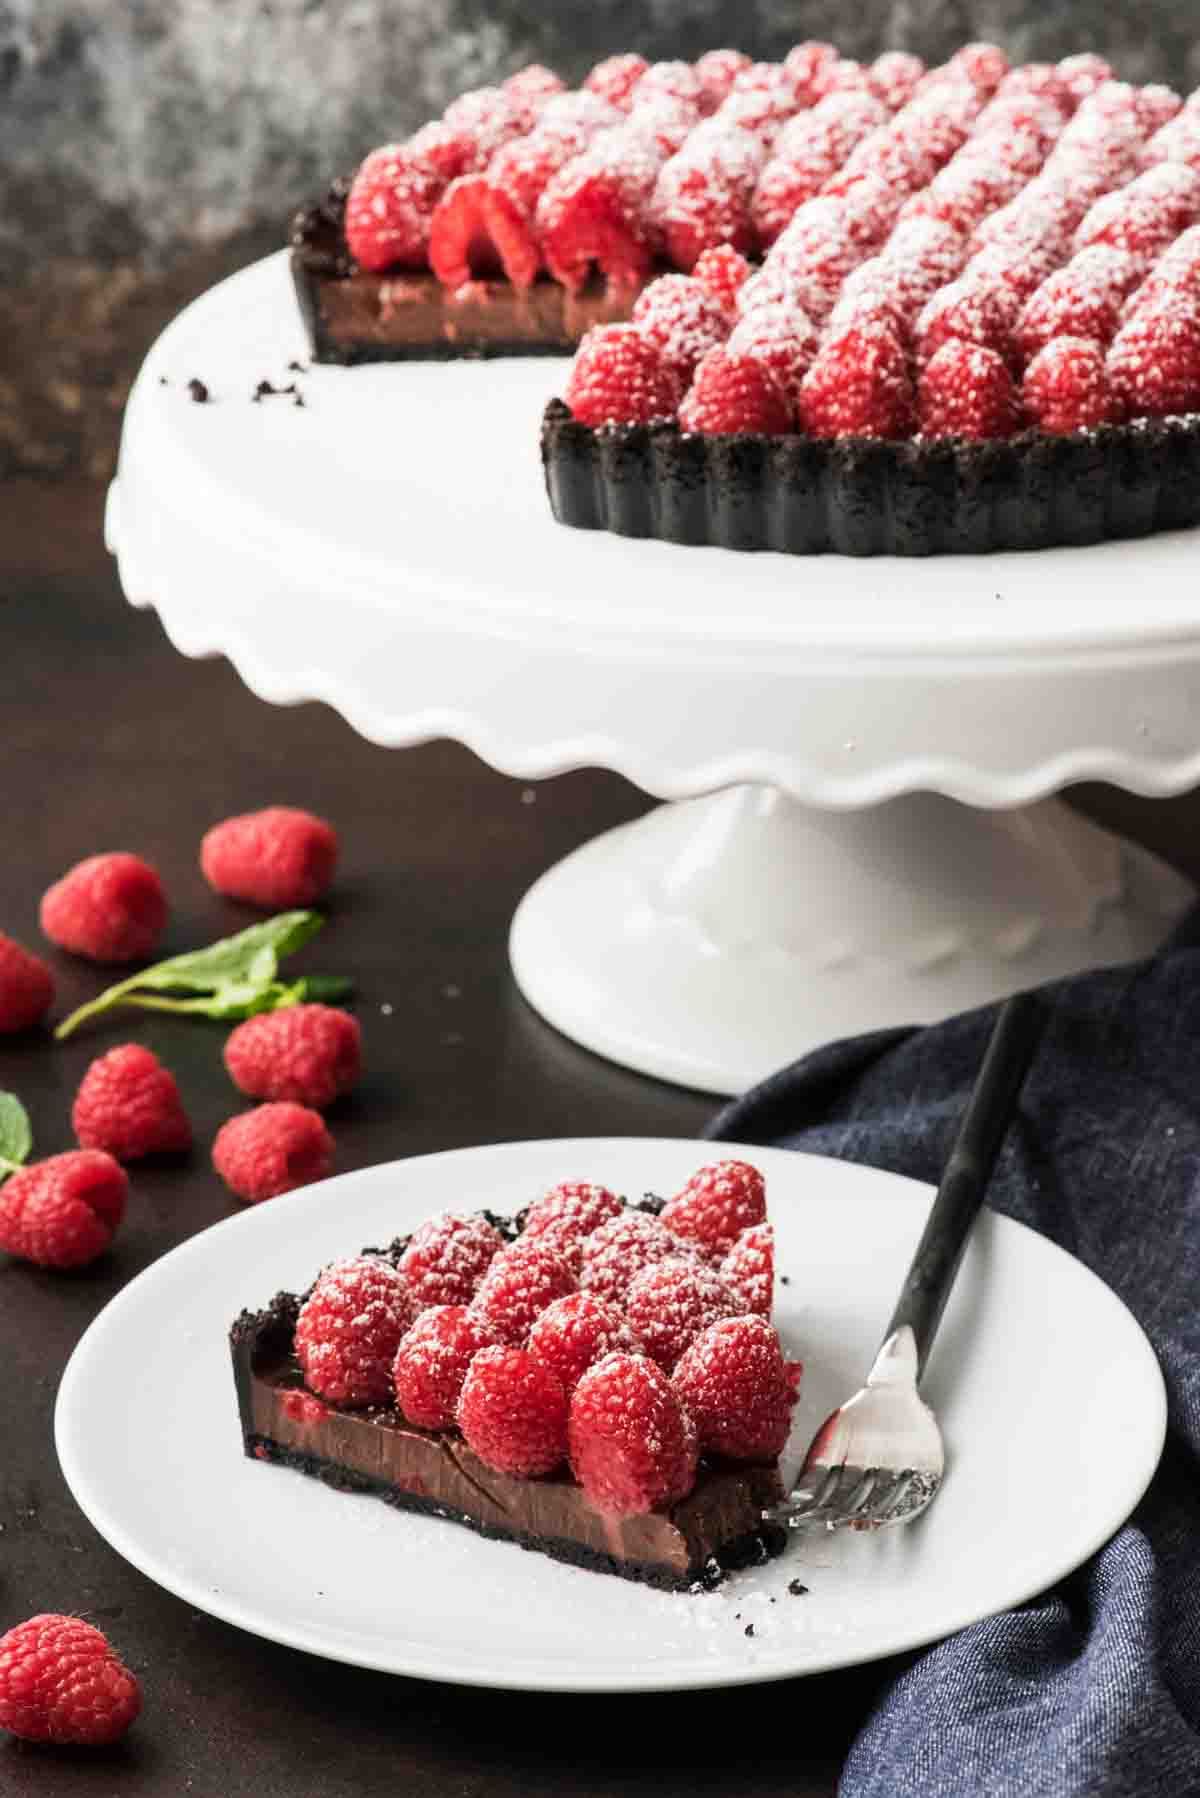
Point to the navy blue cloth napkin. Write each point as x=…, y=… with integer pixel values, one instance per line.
x=1095, y=1687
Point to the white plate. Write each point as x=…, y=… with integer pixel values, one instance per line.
x=1051, y=1400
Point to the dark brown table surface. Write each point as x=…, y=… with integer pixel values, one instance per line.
x=112, y=740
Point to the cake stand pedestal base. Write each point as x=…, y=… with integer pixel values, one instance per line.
x=719, y=938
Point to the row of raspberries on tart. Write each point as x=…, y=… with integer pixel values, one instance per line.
x=624, y=1342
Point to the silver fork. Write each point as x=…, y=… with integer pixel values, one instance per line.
x=879, y=1458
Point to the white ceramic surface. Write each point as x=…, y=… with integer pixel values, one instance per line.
x=1038, y=1371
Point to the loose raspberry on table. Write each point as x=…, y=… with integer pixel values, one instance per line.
x=309, y=1053
x=748, y=1270
x=460, y=244
x=577, y=1330
x=1066, y=387
x=63, y=1212
x=632, y=1444
x=513, y=1412
x=733, y=392
x=616, y=77
x=278, y=857
x=716, y=1205
x=717, y=71
x=109, y=908
x=783, y=340
x=389, y=206
x=26, y=987
x=620, y=377
x=61, y=1681
x=721, y=272
x=129, y=1105
x=736, y=1385
x=447, y=1257
x=618, y=1250
x=520, y=1282
x=272, y=1150
x=432, y=1361
x=682, y=320
x=670, y=1302
x=858, y=386
x=350, y=1327
x=564, y=1216
x=966, y=390
x=1154, y=364
x=965, y=309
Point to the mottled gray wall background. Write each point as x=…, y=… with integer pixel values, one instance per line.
x=145, y=147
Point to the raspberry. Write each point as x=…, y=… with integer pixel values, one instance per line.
x=894, y=77
x=702, y=197
x=128, y=1105
x=63, y=1212
x=721, y=272
x=519, y=1283
x=561, y=1218
x=595, y=210
x=432, y=1361
x=447, y=152
x=1154, y=364
x=274, y=1149
x=61, y=1682
x=967, y=391
x=349, y=1330
x=618, y=1250
x=278, y=857
x=447, y=1257
x=669, y=81
x=1082, y=75
x=717, y=70
x=732, y=392
x=1156, y=107
x=1040, y=79
x=26, y=987
x=964, y=309
x=872, y=296
x=818, y=246
x=460, y=244
x=781, y=338
x=308, y=1053
x=760, y=102
x=1012, y=271
x=735, y=1383
x=632, y=1444
x=805, y=65
x=930, y=251
x=490, y=117
x=513, y=1412
x=984, y=65
x=682, y=321
x=716, y=1205
x=533, y=85
x=619, y=377
x=1084, y=299
x=670, y=1302
x=749, y=1269
x=109, y=908
x=1066, y=387
x=615, y=78
x=389, y=206
x=577, y=1330
x=869, y=207
x=1146, y=215
x=858, y=386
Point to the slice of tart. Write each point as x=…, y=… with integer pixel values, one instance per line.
x=596, y=1381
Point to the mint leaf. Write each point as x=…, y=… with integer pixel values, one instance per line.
x=16, y=1137
x=320, y=989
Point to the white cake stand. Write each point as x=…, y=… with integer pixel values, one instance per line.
x=861, y=750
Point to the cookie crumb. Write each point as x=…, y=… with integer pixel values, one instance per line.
x=198, y=391
x=796, y=1589
x=749, y=1630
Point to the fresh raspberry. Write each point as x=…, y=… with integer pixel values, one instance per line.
x=900, y=159
x=490, y=117
x=309, y=1053
x=930, y=251
x=670, y=1302
x=870, y=206
x=1084, y=299
x=735, y=1383
x=1147, y=215
x=843, y=76
x=61, y=1682
x=808, y=153
x=761, y=101
x=564, y=1216
x=108, y=908
x=782, y=339
x=618, y=1250
x=128, y=1105
x=350, y=1327
x=1040, y=79
x=721, y=272
x=1154, y=364
x=447, y=1257
x=277, y=857
x=872, y=297
x=389, y=206
x=1025, y=117
x=749, y=1269
x=669, y=81
x=274, y=1149
x=596, y=210
x=63, y=1212
x=519, y=1283
x=858, y=386
x=615, y=78
x=1012, y=271
x=984, y=65
x=967, y=391
x=716, y=1205
x=632, y=1444
x=806, y=65
x=818, y=245
x=619, y=377
x=894, y=77
x=732, y=392
x=533, y=85
x=1081, y=75
x=460, y=245
x=1156, y=107
x=717, y=70
x=964, y=309
x=1066, y=387
x=447, y=152
x=26, y=987
x=517, y=176
x=432, y=1361
x=577, y=1330
x=702, y=196
x=513, y=1412
x=682, y=320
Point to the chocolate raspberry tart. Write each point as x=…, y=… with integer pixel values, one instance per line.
x=595, y=1381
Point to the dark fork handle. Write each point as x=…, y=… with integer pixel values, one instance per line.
x=968, y=1171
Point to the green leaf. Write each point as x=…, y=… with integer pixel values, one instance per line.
x=320, y=989
x=16, y=1136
